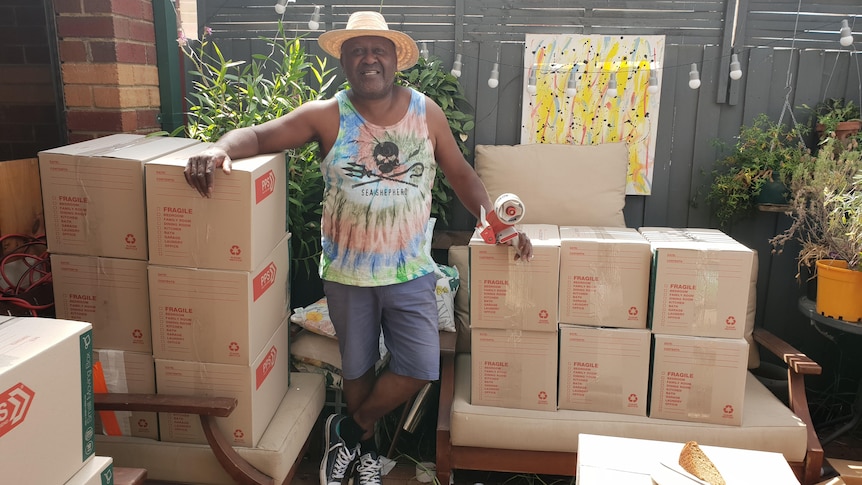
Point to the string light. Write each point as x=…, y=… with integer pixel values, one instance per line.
x=735, y=69
x=846, y=34
x=571, y=85
x=653, y=82
x=280, y=7
x=314, y=23
x=612, y=85
x=531, y=83
x=423, y=51
x=494, y=80
x=456, y=66
x=693, y=77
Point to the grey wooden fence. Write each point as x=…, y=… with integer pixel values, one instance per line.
x=789, y=51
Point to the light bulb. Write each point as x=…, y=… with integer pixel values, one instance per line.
x=314, y=23
x=423, y=51
x=612, y=85
x=846, y=34
x=735, y=69
x=280, y=6
x=531, y=83
x=456, y=66
x=653, y=82
x=572, y=84
x=693, y=77
x=494, y=80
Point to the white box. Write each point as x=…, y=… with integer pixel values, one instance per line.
x=93, y=194
x=98, y=471
x=258, y=388
x=235, y=229
x=600, y=463
x=110, y=293
x=46, y=399
x=517, y=295
x=218, y=316
x=604, y=276
x=514, y=369
x=604, y=369
x=700, y=379
x=132, y=372
x=700, y=282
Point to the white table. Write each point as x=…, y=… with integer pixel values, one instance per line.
x=605, y=459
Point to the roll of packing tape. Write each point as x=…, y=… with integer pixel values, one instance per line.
x=509, y=208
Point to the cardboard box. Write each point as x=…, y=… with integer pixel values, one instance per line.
x=98, y=471
x=700, y=282
x=604, y=276
x=514, y=369
x=235, y=229
x=132, y=372
x=110, y=293
x=700, y=379
x=258, y=388
x=604, y=369
x=93, y=194
x=218, y=316
x=516, y=295
x=46, y=399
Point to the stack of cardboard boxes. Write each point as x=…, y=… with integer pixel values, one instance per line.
x=219, y=297
x=187, y=295
x=96, y=228
x=47, y=420
x=651, y=316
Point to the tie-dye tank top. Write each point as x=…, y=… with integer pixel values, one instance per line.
x=377, y=199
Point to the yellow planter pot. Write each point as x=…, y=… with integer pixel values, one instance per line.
x=839, y=291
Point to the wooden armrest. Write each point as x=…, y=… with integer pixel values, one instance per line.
x=447, y=342
x=795, y=360
x=208, y=408
x=160, y=403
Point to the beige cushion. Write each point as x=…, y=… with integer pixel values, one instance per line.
x=566, y=185
x=767, y=424
x=753, y=352
x=275, y=454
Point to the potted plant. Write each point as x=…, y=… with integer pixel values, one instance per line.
x=836, y=117
x=756, y=170
x=826, y=213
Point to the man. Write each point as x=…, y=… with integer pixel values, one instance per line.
x=380, y=143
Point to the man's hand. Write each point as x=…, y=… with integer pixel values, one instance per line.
x=199, y=169
x=524, y=248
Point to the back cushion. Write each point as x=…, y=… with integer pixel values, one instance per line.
x=566, y=185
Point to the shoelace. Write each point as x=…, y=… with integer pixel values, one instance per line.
x=369, y=470
x=342, y=461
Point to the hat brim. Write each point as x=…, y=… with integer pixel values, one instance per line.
x=405, y=47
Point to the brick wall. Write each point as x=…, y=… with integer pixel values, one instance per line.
x=29, y=113
x=108, y=66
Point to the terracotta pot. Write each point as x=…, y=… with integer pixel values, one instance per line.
x=843, y=130
x=839, y=291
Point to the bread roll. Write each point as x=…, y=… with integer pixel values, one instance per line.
x=693, y=460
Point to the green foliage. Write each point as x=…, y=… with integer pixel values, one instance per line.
x=826, y=206
x=231, y=94
x=432, y=79
x=828, y=113
x=764, y=151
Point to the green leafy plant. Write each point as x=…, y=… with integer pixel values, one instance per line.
x=231, y=94
x=826, y=206
x=828, y=114
x=429, y=77
x=765, y=151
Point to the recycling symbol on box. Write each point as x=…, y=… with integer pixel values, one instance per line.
x=633, y=311
x=543, y=314
x=633, y=398
x=731, y=321
x=234, y=346
x=142, y=423
x=137, y=333
x=130, y=239
x=728, y=409
x=235, y=250
x=543, y=395
x=238, y=434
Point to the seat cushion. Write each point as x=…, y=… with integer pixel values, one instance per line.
x=767, y=424
x=274, y=455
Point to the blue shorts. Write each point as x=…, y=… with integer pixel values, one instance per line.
x=407, y=313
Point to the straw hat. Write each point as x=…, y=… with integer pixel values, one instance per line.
x=370, y=23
